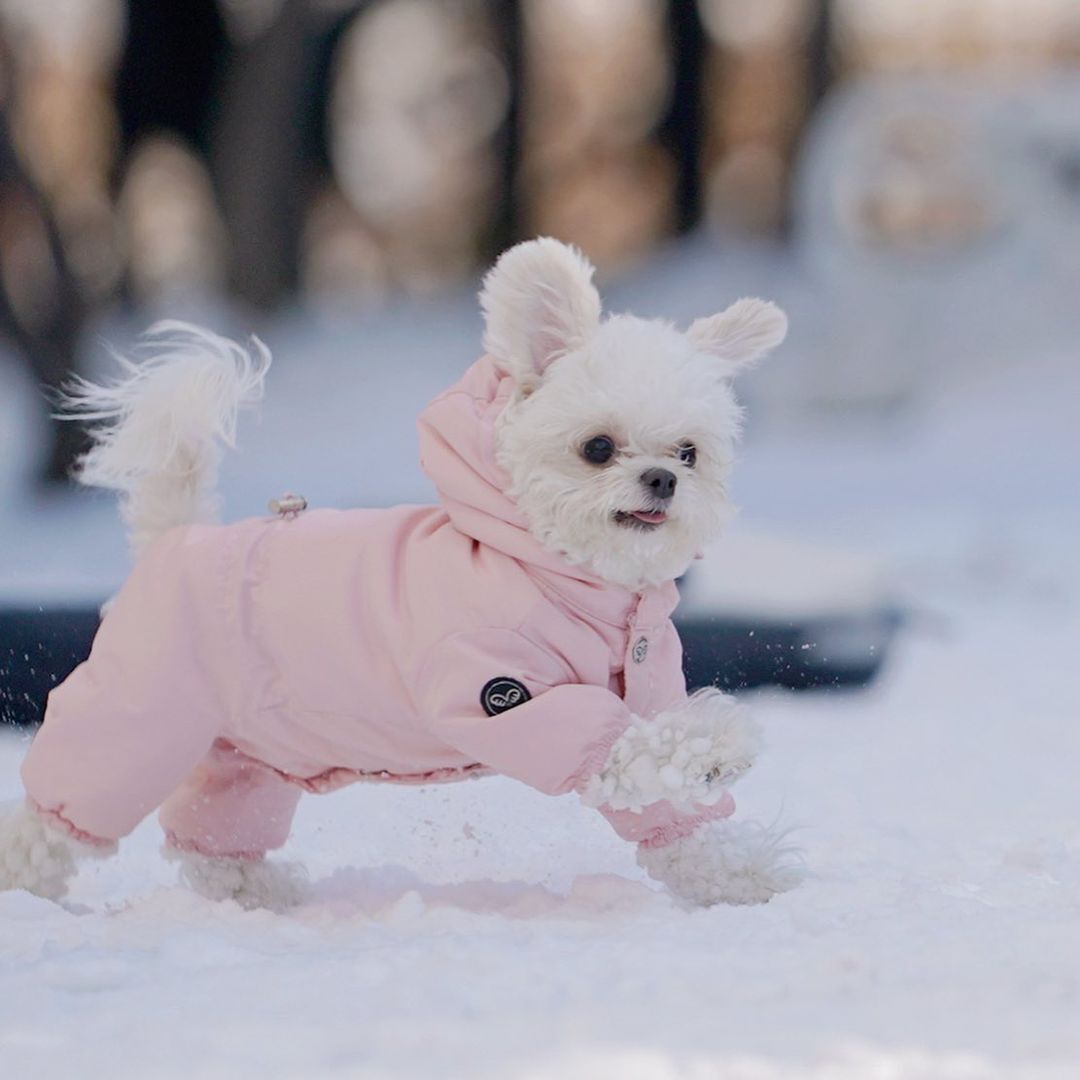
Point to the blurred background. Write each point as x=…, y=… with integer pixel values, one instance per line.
x=902, y=175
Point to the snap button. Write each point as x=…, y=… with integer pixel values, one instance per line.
x=640, y=650
x=288, y=506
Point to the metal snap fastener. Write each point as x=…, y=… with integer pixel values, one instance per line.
x=640, y=650
x=288, y=506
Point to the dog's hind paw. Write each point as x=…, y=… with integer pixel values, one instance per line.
x=33, y=855
x=252, y=883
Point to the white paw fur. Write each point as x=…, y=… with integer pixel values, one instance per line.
x=687, y=756
x=252, y=883
x=37, y=857
x=725, y=862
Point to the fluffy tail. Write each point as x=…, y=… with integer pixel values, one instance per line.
x=163, y=423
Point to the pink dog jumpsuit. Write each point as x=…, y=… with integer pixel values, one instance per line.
x=241, y=665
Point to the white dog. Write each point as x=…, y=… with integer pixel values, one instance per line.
x=522, y=626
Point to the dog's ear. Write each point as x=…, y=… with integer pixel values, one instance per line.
x=743, y=333
x=539, y=303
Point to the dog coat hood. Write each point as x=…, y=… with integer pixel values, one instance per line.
x=240, y=664
x=457, y=451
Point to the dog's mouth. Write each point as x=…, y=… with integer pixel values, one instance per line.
x=640, y=519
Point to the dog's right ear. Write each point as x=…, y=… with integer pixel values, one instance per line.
x=539, y=302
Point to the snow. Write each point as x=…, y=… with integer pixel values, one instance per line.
x=484, y=930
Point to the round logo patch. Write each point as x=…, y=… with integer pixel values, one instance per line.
x=502, y=693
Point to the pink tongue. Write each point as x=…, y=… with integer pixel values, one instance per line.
x=652, y=517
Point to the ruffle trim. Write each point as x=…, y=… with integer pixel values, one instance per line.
x=597, y=758
x=333, y=779
x=55, y=820
x=195, y=848
x=681, y=827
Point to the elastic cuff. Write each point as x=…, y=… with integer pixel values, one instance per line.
x=193, y=847
x=55, y=820
x=681, y=827
x=597, y=758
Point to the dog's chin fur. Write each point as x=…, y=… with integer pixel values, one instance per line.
x=644, y=385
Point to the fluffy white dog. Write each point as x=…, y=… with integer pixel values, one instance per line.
x=522, y=626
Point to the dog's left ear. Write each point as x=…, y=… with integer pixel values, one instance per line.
x=743, y=333
x=539, y=303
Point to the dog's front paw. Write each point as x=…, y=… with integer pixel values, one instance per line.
x=725, y=862
x=252, y=883
x=687, y=756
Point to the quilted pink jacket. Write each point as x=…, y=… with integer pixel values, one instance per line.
x=242, y=664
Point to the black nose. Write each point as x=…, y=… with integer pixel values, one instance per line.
x=659, y=482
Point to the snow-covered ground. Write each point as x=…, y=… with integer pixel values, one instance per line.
x=485, y=931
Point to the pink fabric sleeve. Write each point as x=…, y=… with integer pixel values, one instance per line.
x=661, y=823
x=553, y=740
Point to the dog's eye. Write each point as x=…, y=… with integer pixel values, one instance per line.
x=598, y=450
x=688, y=454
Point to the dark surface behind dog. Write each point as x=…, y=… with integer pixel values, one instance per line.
x=42, y=646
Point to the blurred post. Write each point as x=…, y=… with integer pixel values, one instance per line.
x=45, y=333
x=509, y=32
x=821, y=58
x=256, y=166
x=170, y=69
x=682, y=130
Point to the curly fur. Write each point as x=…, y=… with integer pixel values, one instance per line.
x=251, y=883
x=538, y=302
x=37, y=857
x=742, y=334
x=687, y=755
x=163, y=422
x=643, y=383
x=725, y=862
